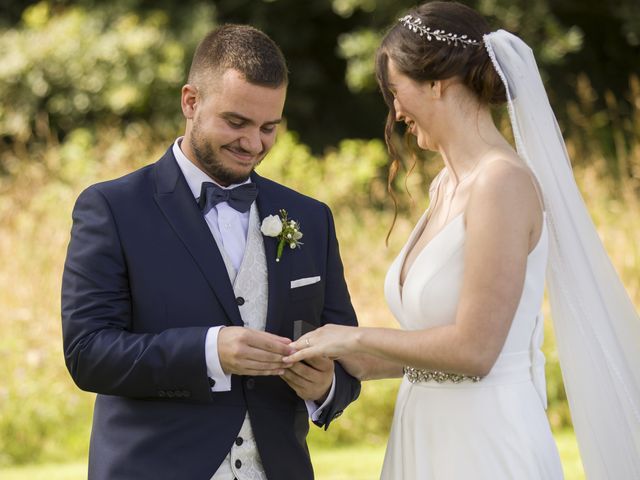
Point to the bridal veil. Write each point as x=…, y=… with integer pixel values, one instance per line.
x=596, y=325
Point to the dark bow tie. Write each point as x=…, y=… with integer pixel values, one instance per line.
x=239, y=198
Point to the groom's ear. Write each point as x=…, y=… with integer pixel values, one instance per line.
x=189, y=100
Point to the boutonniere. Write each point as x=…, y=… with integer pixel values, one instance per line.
x=285, y=230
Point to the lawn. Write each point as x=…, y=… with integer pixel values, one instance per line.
x=344, y=463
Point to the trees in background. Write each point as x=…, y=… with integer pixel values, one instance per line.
x=71, y=62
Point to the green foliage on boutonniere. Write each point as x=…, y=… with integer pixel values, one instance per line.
x=285, y=230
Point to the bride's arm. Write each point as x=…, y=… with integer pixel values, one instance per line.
x=500, y=219
x=369, y=367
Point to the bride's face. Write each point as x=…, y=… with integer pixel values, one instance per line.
x=414, y=105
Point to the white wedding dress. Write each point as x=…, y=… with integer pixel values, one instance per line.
x=490, y=430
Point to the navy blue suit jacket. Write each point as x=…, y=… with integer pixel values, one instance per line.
x=143, y=282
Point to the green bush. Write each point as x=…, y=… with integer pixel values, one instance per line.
x=74, y=66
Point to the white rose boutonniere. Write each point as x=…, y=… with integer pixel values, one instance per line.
x=271, y=226
x=285, y=230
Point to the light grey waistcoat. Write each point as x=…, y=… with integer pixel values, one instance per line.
x=249, y=282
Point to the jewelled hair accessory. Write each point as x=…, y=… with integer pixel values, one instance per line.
x=415, y=25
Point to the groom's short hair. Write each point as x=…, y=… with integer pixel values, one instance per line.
x=243, y=48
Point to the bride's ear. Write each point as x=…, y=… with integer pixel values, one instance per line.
x=435, y=88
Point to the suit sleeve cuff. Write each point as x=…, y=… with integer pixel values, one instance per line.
x=314, y=410
x=219, y=381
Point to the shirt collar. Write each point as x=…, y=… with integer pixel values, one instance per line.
x=194, y=176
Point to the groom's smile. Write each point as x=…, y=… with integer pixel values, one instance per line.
x=242, y=157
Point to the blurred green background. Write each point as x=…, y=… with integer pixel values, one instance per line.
x=90, y=91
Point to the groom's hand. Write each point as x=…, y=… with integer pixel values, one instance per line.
x=310, y=379
x=243, y=351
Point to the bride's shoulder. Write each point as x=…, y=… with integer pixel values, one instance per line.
x=504, y=182
x=503, y=168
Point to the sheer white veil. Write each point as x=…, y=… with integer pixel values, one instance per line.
x=596, y=325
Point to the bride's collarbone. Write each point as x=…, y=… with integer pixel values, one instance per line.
x=441, y=215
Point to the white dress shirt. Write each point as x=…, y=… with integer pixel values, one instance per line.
x=229, y=227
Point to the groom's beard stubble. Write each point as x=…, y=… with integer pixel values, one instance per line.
x=213, y=166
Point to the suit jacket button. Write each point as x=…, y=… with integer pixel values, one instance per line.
x=178, y=393
x=170, y=394
x=238, y=464
x=162, y=393
x=240, y=301
x=239, y=441
x=186, y=393
x=251, y=383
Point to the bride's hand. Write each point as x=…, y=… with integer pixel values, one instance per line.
x=330, y=341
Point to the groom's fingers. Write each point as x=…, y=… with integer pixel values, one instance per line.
x=243, y=351
x=309, y=382
x=322, y=364
x=294, y=379
x=300, y=384
x=298, y=374
x=250, y=367
x=269, y=343
x=258, y=355
x=305, y=374
x=248, y=360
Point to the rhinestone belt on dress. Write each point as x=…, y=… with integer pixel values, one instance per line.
x=416, y=375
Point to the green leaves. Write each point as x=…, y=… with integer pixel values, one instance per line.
x=76, y=67
x=359, y=48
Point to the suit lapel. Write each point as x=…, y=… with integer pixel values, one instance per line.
x=176, y=201
x=269, y=202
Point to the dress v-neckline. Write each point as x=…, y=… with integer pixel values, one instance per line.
x=422, y=225
x=412, y=243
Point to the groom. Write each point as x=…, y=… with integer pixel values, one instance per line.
x=174, y=308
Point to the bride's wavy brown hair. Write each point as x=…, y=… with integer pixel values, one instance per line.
x=426, y=60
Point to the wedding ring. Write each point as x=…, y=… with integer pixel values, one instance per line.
x=306, y=340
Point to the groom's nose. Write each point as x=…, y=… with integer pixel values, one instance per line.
x=251, y=142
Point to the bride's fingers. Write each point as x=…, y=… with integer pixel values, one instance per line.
x=299, y=356
x=302, y=343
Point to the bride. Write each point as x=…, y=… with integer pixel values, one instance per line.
x=468, y=285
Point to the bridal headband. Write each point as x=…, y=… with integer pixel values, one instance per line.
x=415, y=25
